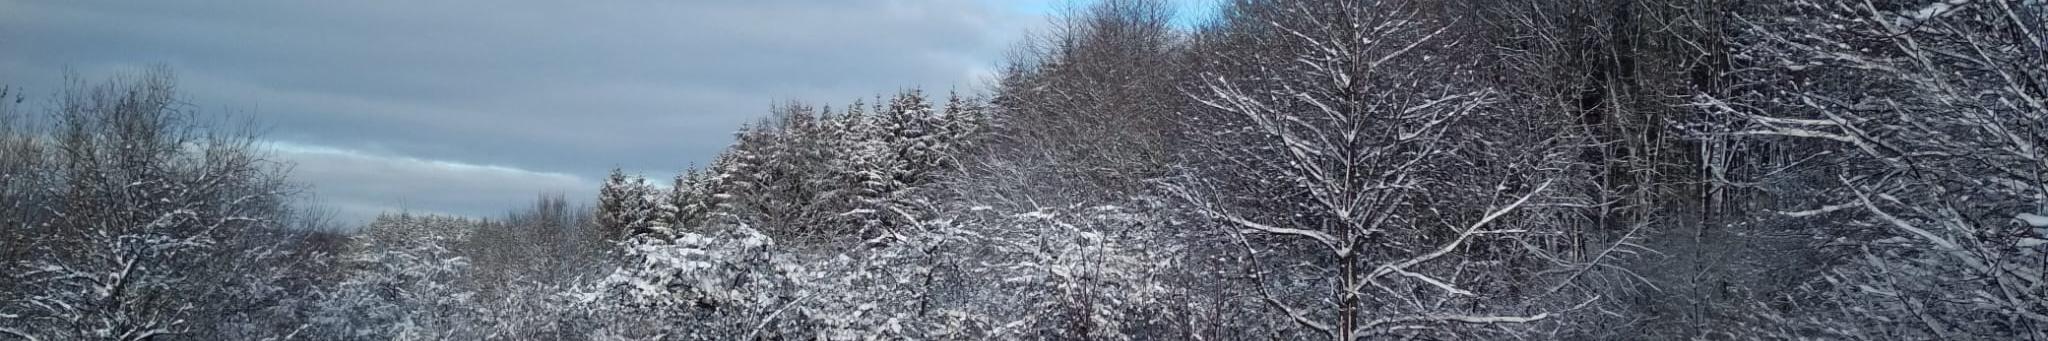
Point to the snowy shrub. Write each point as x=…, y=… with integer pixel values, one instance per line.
x=701, y=285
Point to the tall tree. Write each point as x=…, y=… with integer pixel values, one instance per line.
x=626, y=207
x=1356, y=136
x=1094, y=101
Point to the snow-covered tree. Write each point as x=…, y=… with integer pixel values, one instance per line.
x=914, y=132
x=865, y=169
x=709, y=284
x=1356, y=139
x=1094, y=100
x=689, y=200
x=1902, y=139
x=627, y=206
x=965, y=123
x=1104, y=272
x=746, y=171
x=144, y=226
x=402, y=281
x=22, y=184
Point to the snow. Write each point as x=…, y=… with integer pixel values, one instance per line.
x=1911, y=18
x=2034, y=220
x=1930, y=11
x=1935, y=9
x=1037, y=215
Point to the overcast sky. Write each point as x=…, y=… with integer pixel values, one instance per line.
x=472, y=107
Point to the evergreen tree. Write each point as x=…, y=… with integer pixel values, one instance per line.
x=666, y=215
x=689, y=199
x=752, y=182
x=624, y=208
x=910, y=126
x=800, y=168
x=611, y=204
x=964, y=121
x=853, y=174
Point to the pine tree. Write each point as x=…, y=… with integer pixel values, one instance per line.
x=655, y=216
x=667, y=214
x=747, y=176
x=624, y=208
x=800, y=163
x=827, y=143
x=611, y=205
x=964, y=121
x=690, y=199
x=909, y=125
x=860, y=173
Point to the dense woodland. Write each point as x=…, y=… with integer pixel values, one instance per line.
x=1289, y=169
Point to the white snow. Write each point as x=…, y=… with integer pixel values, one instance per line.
x=2034, y=220
x=1037, y=215
x=2031, y=242
x=1935, y=9
x=1930, y=11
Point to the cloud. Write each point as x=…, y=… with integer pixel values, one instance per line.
x=540, y=86
x=359, y=185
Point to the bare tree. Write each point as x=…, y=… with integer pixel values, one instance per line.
x=1089, y=104
x=1910, y=134
x=22, y=153
x=147, y=214
x=1363, y=125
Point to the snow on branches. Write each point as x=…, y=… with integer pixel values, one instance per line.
x=1928, y=117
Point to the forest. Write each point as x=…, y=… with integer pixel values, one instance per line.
x=1286, y=169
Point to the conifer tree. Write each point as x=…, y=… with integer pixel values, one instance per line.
x=799, y=167
x=741, y=172
x=910, y=125
x=611, y=204
x=762, y=183
x=964, y=121
x=690, y=199
x=624, y=208
x=665, y=216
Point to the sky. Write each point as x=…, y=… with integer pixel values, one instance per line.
x=472, y=107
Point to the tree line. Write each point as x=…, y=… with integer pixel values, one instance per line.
x=1287, y=169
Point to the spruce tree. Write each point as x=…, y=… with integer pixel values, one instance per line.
x=963, y=122
x=690, y=198
x=750, y=180
x=909, y=124
x=667, y=212
x=624, y=208
x=612, y=205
